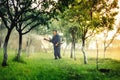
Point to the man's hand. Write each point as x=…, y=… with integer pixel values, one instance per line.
x=46, y=39
x=56, y=44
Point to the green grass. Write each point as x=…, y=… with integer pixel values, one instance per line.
x=42, y=66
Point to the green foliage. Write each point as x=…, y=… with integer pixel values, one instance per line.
x=64, y=4
x=90, y=16
x=78, y=14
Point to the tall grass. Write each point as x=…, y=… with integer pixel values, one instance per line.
x=42, y=66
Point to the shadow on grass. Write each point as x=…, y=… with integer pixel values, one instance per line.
x=21, y=60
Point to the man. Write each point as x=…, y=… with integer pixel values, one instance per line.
x=56, y=43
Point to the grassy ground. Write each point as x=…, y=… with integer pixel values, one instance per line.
x=42, y=66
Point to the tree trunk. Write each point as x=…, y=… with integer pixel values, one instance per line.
x=1, y=36
x=29, y=41
x=83, y=51
x=71, y=55
x=4, y=63
x=104, y=52
x=74, y=50
x=65, y=50
x=20, y=47
x=1, y=40
x=97, y=56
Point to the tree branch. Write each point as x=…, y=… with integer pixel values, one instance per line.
x=25, y=9
x=8, y=10
x=31, y=28
x=3, y=19
x=2, y=3
x=13, y=3
x=90, y=34
x=112, y=39
x=27, y=25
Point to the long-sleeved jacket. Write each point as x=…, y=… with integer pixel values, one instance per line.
x=55, y=40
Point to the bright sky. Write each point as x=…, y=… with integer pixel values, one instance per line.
x=116, y=25
x=111, y=33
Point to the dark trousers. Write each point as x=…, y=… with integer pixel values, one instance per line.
x=57, y=52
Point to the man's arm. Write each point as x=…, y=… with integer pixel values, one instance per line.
x=47, y=39
x=54, y=40
x=57, y=40
x=50, y=40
